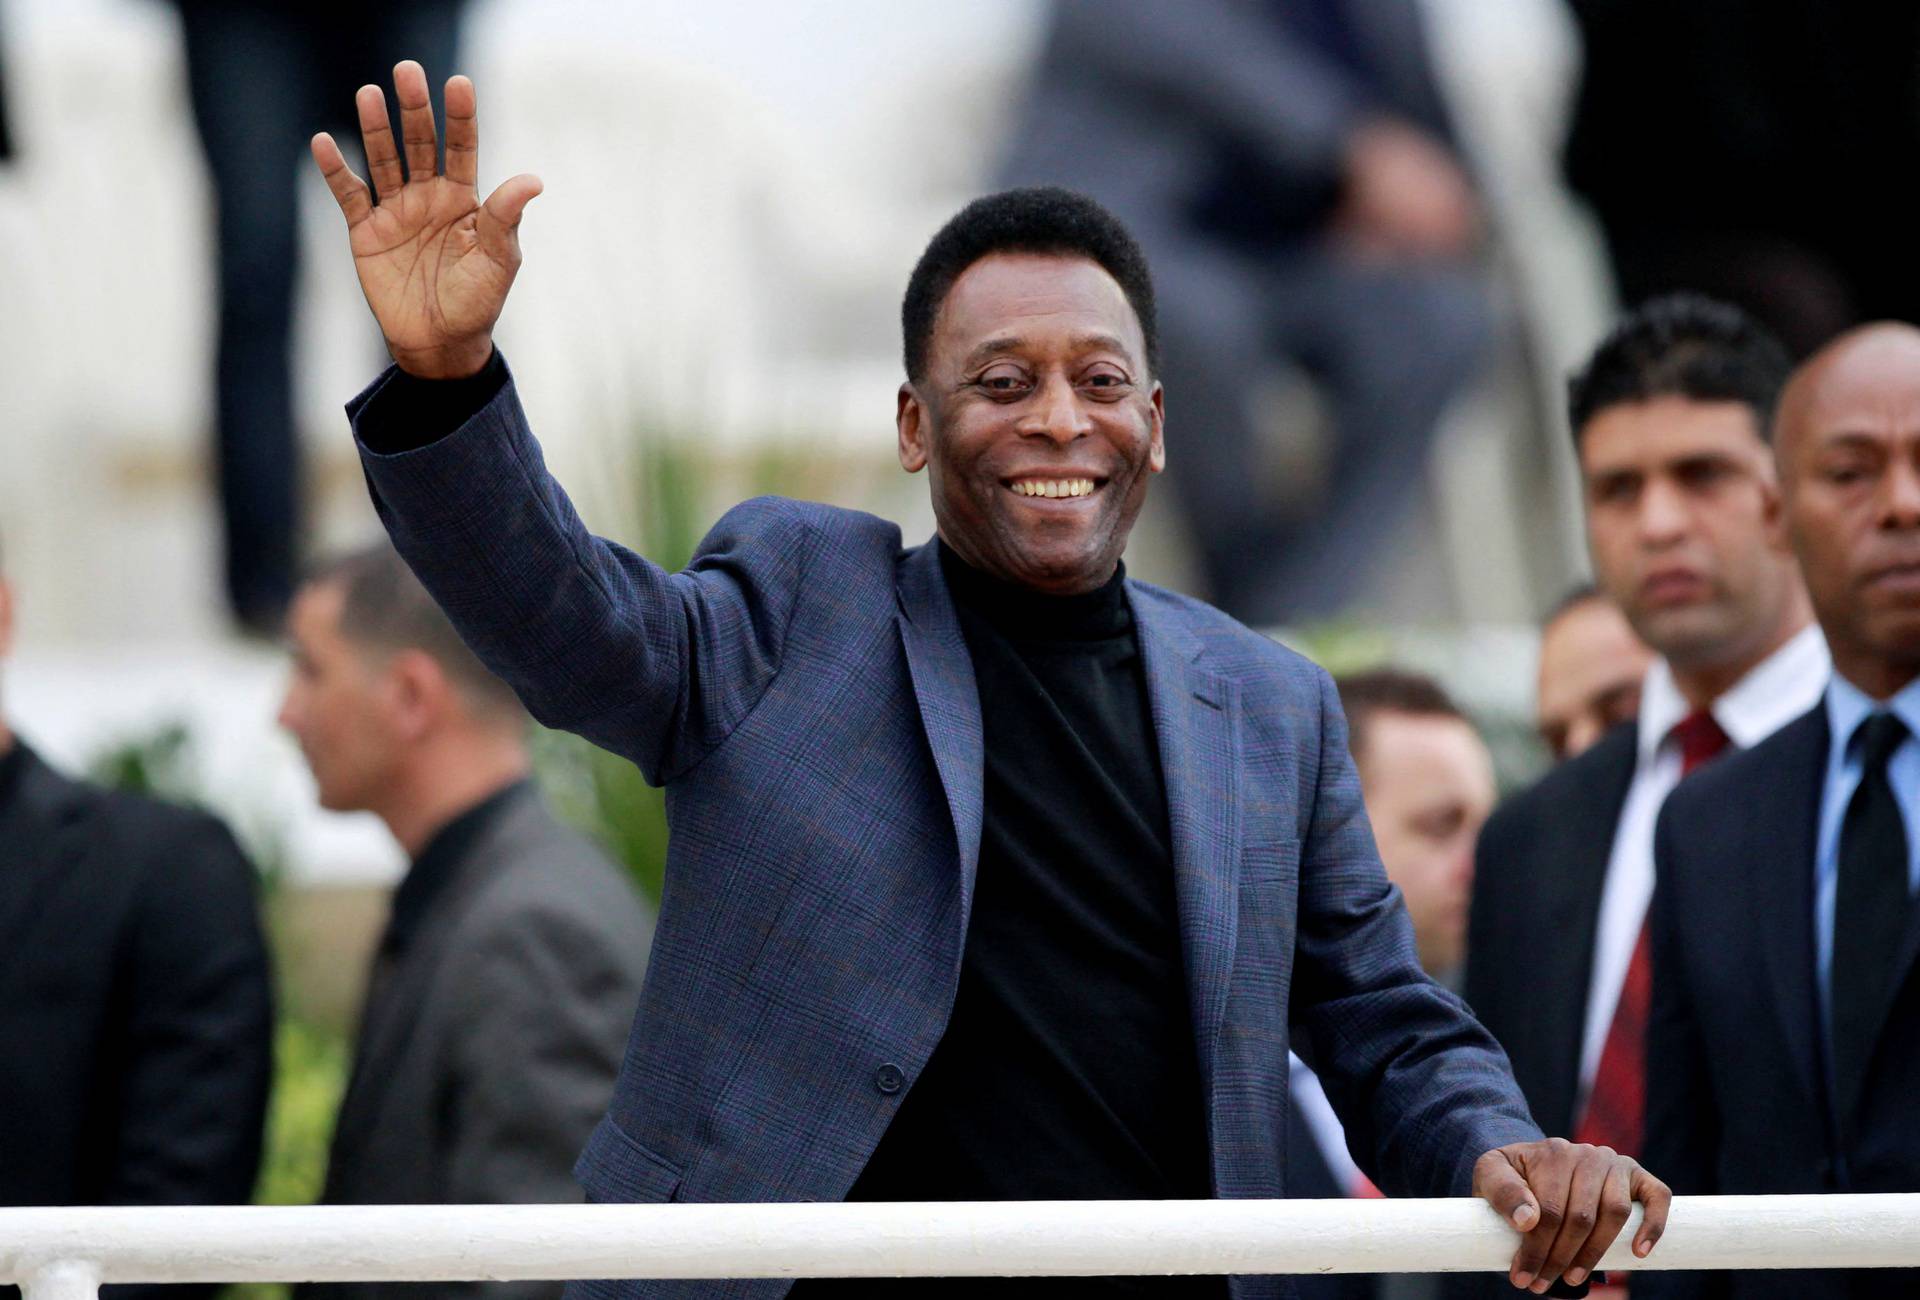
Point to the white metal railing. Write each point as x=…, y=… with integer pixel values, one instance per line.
x=65, y=1254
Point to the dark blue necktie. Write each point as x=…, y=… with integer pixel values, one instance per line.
x=1871, y=911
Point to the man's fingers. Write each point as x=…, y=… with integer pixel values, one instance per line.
x=416, y=120
x=376, y=137
x=1657, y=1197
x=463, y=133
x=1500, y=1185
x=500, y=215
x=1598, y=1206
x=349, y=191
x=1548, y=1187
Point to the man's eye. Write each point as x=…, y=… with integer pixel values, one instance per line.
x=1002, y=382
x=1615, y=489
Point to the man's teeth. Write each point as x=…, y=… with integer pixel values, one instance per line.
x=1053, y=487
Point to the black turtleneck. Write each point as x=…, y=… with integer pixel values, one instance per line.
x=1068, y=1069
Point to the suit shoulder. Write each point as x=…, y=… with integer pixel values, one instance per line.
x=1230, y=646
x=171, y=841
x=759, y=517
x=1782, y=765
x=552, y=881
x=1601, y=774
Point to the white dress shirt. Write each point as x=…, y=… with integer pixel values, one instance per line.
x=1328, y=1133
x=1777, y=690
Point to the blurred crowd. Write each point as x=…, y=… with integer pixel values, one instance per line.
x=1711, y=888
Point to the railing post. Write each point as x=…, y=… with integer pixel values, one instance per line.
x=65, y=1279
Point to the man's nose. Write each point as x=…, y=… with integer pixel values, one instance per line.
x=1900, y=506
x=1664, y=517
x=1057, y=413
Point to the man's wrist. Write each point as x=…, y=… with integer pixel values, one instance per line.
x=461, y=360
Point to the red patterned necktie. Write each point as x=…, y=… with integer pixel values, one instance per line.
x=1617, y=1103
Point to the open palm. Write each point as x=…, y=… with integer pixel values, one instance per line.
x=434, y=262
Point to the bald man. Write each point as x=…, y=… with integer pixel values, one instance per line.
x=1782, y=1053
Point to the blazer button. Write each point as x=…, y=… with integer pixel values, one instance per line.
x=889, y=1079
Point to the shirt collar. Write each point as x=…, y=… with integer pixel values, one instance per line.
x=1774, y=692
x=1848, y=706
x=439, y=862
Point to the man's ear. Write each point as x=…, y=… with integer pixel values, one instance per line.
x=913, y=425
x=418, y=692
x=1773, y=506
x=1157, y=449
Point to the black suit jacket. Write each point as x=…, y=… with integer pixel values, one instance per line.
x=136, y=1020
x=1538, y=873
x=1737, y=1095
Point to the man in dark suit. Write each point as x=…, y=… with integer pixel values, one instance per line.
x=503, y=988
x=1683, y=520
x=1289, y=169
x=1785, y=929
x=993, y=873
x=136, y=1019
x=1427, y=781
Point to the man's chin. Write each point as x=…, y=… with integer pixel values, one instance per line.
x=1059, y=571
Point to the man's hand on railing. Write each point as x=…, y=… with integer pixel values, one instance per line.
x=1569, y=1201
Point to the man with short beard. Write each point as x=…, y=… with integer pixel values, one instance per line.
x=1671, y=418
x=1784, y=924
x=993, y=874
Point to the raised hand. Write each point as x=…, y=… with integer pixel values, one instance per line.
x=434, y=262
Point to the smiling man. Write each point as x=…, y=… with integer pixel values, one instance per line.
x=993, y=874
x=1671, y=418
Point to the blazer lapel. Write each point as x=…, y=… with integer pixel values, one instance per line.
x=1569, y=897
x=948, y=699
x=1778, y=858
x=1196, y=720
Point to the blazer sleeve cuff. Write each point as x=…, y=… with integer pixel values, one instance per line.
x=1492, y=1132
x=434, y=477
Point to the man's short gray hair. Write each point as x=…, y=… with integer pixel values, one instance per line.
x=385, y=608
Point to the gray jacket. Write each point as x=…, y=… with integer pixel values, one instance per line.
x=490, y=1041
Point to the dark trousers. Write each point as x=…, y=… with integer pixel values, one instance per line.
x=263, y=78
x=1387, y=346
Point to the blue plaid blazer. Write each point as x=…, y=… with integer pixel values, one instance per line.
x=804, y=693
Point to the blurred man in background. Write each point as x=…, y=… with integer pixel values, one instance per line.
x=1591, y=667
x=1427, y=781
x=1784, y=926
x=1289, y=170
x=136, y=1019
x=260, y=73
x=1671, y=418
x=499, y=1001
